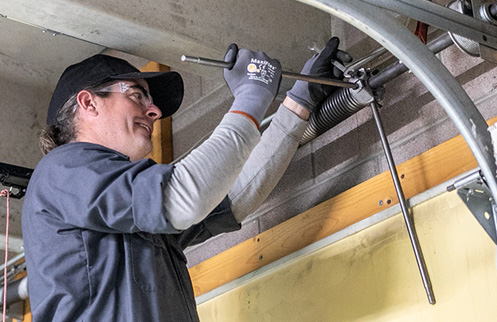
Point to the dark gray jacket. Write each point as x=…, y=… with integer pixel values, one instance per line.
x=98, y=247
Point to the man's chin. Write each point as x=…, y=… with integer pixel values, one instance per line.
x=147, y=149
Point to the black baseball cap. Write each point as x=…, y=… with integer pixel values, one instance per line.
x=166, y=88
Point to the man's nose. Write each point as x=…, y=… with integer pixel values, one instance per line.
x=154, y=112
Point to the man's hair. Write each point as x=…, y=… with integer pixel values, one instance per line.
x=65, y=128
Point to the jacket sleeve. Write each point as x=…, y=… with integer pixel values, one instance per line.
x=81, y=185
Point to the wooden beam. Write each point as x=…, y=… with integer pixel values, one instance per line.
x=162, y=139
x=419, y=174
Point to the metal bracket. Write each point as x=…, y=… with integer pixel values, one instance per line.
x=15, y=177
x=481, y=10
x=474, y=192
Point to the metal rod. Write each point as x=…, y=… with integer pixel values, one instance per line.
x=319, y=80
x=403, y=205
x=13, y=272
x=206, y=61
x=367, y=59
x=306, y=78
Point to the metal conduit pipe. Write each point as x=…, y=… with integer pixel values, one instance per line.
x=12, y=261
x=346, y=101
x=12, y=272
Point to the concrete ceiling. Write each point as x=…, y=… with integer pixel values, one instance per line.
x=164, y=30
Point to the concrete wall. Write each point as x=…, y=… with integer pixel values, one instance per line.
x=22, y=115
x=351, y=152
x=31, y=62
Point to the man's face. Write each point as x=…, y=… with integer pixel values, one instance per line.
x=126, y=119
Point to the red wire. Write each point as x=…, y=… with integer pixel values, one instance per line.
x=5, y=193
x=422, y=32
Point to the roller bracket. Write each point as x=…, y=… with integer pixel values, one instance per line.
x=363, y=93
x=474, y=192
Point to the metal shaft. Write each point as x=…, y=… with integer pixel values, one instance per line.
x=306, y=78
x=398, y=68
x=403, y=205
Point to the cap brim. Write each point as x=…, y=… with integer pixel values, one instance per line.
x=166, y=89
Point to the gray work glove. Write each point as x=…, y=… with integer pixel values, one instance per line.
x=309, y=95
x=254, y=80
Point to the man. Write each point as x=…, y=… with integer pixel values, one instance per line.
x=105, y=229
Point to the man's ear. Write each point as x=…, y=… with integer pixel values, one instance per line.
x=87, y=103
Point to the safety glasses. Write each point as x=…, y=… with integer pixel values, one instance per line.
x=136, y=92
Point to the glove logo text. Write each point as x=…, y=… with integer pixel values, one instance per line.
x=261, y=70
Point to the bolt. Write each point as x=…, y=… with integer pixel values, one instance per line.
x=380, y=203
x=314, y=47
